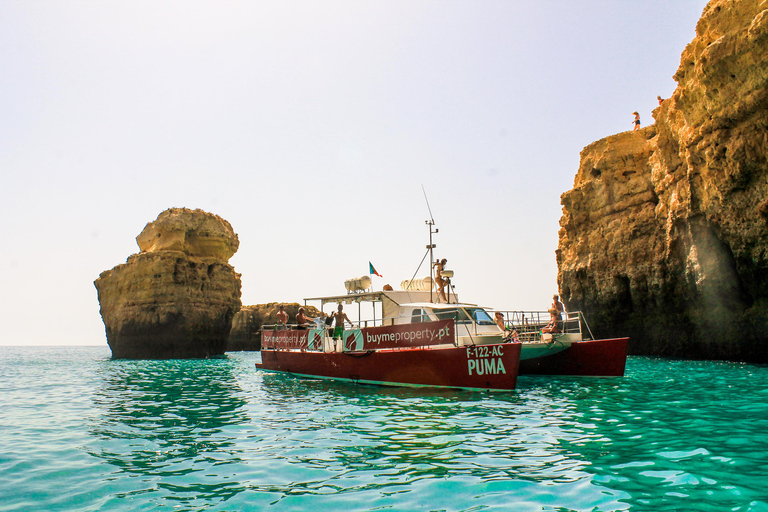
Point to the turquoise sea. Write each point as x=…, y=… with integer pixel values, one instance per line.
x=82, y=432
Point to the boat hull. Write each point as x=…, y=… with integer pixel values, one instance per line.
x=598, y=358
x=487, y=367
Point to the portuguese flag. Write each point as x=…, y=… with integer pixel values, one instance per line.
x=373, y=270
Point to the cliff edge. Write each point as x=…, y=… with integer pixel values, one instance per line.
x=664, y=236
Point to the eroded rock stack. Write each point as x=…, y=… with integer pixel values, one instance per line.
x=177, y=297
x=664, y=236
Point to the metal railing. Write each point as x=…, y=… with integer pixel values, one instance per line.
x=528, y=325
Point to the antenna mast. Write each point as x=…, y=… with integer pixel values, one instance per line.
x=430, y=223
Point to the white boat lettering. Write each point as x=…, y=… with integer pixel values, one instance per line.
x=486, y=366
x=481, y=351
x=394, y=337
x=286, y=338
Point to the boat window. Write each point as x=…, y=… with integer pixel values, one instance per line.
x=481, y=316
x=418, y=316
x=459, y=315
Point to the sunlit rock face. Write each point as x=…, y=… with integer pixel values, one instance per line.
x=177, y=297
x=664, y=236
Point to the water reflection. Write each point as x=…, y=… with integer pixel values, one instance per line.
x=164, y=421
x=665, y=434
x=388, y=440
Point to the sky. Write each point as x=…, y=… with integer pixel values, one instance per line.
x=318, y=129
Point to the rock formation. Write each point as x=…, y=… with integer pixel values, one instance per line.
x=246, y=325
x=664, y=236
x=177, y=297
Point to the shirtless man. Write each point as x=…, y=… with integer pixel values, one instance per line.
x=340, y=316
x=302, y=319
x=440, y=282
x=282, y=317
x=557, y=305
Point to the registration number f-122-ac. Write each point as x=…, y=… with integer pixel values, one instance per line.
x=482, y=360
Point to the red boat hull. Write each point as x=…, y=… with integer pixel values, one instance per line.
x=483, y=367
x=598, y=358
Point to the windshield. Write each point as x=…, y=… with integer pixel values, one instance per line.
x=481, y=316
x=459, y=315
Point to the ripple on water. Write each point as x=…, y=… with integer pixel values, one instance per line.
x=82, y=432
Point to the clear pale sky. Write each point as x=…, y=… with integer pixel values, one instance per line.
x=311, y=127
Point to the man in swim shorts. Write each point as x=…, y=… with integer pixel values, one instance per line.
x=340, y=316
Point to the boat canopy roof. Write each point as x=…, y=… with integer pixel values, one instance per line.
x=441, y=305
x=394, y=301
x=399, y=297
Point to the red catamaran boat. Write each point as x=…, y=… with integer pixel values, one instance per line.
x=419, y=337
x=409, y=342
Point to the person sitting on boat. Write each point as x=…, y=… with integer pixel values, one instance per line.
x=554, y=325
x=282, y=317
x=556, y=311
x=440, y=281
x=303, y=320
x=500, y=320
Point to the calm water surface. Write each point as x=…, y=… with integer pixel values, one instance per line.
x=81, y=432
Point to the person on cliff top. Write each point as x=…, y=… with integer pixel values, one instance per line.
x=303, y=320
x=282, y=317
x=660, y=99
x=340, y=316
x=440, y=282
x=636, y=121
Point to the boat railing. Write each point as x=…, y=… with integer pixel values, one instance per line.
x=528, y=325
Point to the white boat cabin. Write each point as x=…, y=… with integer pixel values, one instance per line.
x=473, y=324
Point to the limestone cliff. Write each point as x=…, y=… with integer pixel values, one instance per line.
x=177, y=297
x=664, y=236
x=246, y=325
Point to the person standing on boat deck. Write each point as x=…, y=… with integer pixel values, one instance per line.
x=319, y=321
x=282, y=317
x=340, y=317
x=302, y=319
x=440, y=282
x=559, y=307
x=329, y=324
